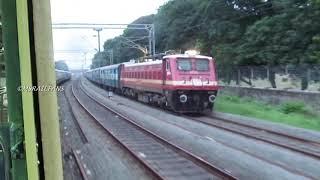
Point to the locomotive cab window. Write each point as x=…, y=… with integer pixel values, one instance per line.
x=167, y=66
x=184, y=64
x=202, y=64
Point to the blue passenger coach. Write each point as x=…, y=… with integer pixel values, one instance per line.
x=107, y=76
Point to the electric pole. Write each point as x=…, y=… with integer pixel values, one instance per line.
x=98, y=30
x=111, y=56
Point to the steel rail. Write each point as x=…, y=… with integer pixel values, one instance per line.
x=114, y=137
x=268, y=130
x=259, y=135
x=246, y=152
x=199, y=160
x=75, y=120
x=80, y=166
x=283, y=166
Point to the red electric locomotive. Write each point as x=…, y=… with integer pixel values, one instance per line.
x=181, y=82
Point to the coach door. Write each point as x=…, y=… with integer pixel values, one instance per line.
x=165, y=71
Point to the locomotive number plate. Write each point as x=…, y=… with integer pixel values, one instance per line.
x=197, y=82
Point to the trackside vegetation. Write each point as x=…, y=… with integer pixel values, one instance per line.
x=269, y=33
x=294, y=113
x=235, y=32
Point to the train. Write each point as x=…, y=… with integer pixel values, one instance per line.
x=184, y=83
x=62, y=76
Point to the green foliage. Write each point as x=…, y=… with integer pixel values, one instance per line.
x=123, y=50
x=235, y=99
x=301, y=117
x=293, y=107
x=61, y=65
x=235, y=32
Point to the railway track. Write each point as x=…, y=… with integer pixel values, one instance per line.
x=75, y=120
x=164, y=159
x=79, y=165
x=283, y=165
x=297, y=144
x=230, y=145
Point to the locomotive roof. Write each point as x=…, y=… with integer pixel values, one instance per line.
x=110, y=66
x=144, y=63
x=58, y=70
x=129, y=64
x=186, y=56
x=105, y=67
x=168, y=56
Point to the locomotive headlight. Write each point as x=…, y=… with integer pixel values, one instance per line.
x=183, y=98
x=192, y=52
x=212, y=98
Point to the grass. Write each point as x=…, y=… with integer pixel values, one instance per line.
x=290, y=113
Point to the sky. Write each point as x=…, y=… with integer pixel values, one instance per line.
x=77, y=46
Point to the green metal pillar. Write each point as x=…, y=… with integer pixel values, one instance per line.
x=24, y=48
x=11, y=55
x=27, y=97
x=48, y=104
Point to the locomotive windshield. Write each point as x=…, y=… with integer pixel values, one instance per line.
x=184, y=64
x=202, y=64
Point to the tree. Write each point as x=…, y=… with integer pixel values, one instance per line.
x=235, y=32
x=289, y=37
x=99, y=60
x=122, y=47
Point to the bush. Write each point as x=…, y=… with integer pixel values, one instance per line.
x=293, y=107
x=234, y=99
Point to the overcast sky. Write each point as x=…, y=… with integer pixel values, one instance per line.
x=72, y=45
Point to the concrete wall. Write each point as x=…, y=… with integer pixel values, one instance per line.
x=274, y=96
